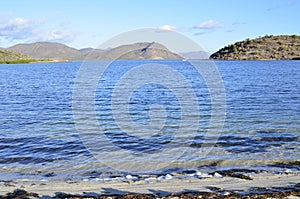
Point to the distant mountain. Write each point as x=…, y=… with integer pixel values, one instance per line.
x=57, y=51
x=139, y=51
x=195, y=55
x=282, y=47
x=47, y=50
x=8, y=56
x=93, y=53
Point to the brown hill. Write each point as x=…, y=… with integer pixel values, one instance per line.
x=195, y=55
x=93, y=53
x=140, y=51
x=143, y=50
x=47, y=50
x=282, y=47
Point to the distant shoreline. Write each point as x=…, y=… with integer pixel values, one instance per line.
x=61, y=61
x=32, y=61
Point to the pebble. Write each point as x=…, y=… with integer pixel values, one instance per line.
x=168, y=177
x=198, y=173
x=226, y=193
x=288, y=171
x=95, y=179
x=25, y=180
x=115, y=179
x=205, y=175
x=133, y=178
x=129, y=177
x=191, y=174
x=216, y=174
x=150, y=179
x=159, y=178
x=85, y=180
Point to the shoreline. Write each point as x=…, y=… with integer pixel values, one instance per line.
x=221, y=185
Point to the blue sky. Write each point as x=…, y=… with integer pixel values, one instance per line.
x=211, y=23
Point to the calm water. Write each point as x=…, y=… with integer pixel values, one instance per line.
x=38, y=134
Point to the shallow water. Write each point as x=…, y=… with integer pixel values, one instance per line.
x=38, y=137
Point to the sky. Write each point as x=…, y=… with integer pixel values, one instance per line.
x=213, y=24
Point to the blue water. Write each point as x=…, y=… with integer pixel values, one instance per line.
x=38, y=134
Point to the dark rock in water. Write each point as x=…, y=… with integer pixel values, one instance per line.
x=20, y=194
x=51, y=174
x=288, y=165
x=214, y=188
x=237, y=173
x=92, y=174
x=189, y=171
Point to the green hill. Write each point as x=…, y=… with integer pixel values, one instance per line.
x=282, y=47
x=11, y=57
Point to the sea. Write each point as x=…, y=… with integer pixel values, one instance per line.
x=150, y=117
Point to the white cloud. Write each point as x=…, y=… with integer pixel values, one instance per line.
x=56, y=35
x=25, y=30
x=18, y=28
x=18, y=21
x=167, y=27
x=210, y=24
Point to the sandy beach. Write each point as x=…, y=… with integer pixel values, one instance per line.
x=261, y=183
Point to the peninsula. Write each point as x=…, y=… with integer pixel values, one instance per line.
x=12, y=57
x=269, y=47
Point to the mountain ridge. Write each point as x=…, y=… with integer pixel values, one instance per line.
x=50, y=50
x=58, y=51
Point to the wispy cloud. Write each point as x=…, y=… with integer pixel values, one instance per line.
x=18, y=28
x=283, y=5
x=208, y=26
x=25, y=30
x=167, y=27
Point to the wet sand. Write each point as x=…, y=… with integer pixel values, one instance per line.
x=261, y=185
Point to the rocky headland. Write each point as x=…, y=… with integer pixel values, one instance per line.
x=269, y=47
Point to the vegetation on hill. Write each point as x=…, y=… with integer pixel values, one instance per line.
x=12, y=57
x=139, y=51
x=269, y=47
